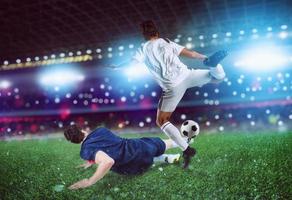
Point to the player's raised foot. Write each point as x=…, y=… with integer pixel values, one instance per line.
x=215, y=59
x=174, y=158
x=187, y=156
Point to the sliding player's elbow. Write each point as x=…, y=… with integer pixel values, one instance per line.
x=109, y=163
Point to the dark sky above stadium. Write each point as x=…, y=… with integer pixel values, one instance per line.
x=37, y=27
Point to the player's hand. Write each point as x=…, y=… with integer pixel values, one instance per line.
x=203, y=57
x=85, y=165
x=80, y=184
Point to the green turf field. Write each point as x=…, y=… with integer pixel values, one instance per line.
x=227, y=166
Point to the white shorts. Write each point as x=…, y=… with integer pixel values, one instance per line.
x=197, y=77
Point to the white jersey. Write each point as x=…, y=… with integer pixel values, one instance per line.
x=161, y=58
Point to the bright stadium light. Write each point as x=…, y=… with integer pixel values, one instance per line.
x=214, y=35
x=60, y=76
x=284, y=27
x=262, y=59
x=254, y=30
x=283, y=35
x=137, y=71
x=4, y=84
x=189, y=45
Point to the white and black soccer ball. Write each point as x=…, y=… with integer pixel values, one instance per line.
x=190, y=129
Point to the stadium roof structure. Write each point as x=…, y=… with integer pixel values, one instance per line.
x=36, y=27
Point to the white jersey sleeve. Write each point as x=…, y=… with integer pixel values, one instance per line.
x=176, y=48
x=139, y=56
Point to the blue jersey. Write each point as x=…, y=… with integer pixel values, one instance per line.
x=131, y=156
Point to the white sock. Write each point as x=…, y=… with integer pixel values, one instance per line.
x=160, y=159
x=173, y=133
x=175, y=145
x=217, y=72
x=166, y=158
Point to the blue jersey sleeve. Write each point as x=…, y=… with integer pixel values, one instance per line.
x=88, y=154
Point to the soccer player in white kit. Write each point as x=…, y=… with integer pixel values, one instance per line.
x=161, y=56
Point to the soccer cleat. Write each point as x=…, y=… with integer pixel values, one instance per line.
x=172, y=158
x=187, y=155
x=190, y=140
x=215, y=58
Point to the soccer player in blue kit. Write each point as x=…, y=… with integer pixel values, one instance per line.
x=120, y=155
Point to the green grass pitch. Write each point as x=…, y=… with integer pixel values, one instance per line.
x=227, y=166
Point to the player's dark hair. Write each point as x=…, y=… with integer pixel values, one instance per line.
x=149, y=29
x=74, y=134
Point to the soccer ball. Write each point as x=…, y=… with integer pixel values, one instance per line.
x=190, y=129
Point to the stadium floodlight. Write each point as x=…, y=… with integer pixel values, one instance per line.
x=136, y=71
x=60, y=76
x=176, y=40
x=214, y=35
x=283, y=35
x=262, y=58
x=5, y=84
x=6, y=62
x=189, y=45
x=269, y=29
x=241, y=32
x=121, y=48
x=254, y=30
x=284, y=27
x=18, y=61
x=228, y=34
x=201, y=37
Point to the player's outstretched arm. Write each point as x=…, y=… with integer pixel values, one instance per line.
x=192, y=54
x=87, y=164
x=123, y=64
x=105, y=162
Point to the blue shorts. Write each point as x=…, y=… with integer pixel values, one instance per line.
x=146, y=149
